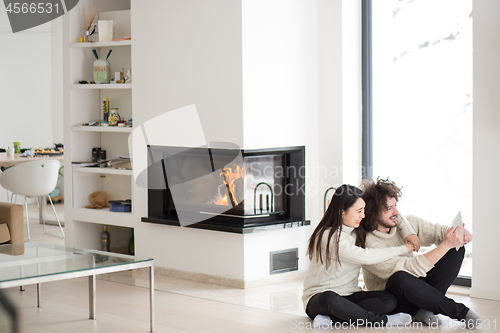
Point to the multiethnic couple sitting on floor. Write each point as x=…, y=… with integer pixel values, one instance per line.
x=363, y=229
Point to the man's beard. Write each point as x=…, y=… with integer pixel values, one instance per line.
x=386, y=224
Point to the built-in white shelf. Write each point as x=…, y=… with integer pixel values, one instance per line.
x=86, y=224
x=102, y=44
x=102, y=86
x=109, y=129
x=103, y=171
x=103, y=216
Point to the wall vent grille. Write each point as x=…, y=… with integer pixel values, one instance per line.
x=284, y=261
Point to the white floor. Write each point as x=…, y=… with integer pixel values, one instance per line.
x=181, y=300
x=36, y=229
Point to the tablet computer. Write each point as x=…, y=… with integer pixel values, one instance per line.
x=457, y=222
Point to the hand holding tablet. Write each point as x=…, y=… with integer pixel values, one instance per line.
x=457, y=222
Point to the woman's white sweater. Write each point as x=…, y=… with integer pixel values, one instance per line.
x=343, y=279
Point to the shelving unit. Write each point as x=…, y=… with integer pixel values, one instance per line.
x=84, y=104
x=102, y=44
x=110, y=129
x=103, y=171
x=102, y=86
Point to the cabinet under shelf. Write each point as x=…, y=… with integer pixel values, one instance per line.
x=103, y=216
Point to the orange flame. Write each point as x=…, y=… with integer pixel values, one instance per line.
x=222, y=201
x=229, y=177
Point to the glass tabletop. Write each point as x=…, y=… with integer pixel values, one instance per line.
x=36, y=259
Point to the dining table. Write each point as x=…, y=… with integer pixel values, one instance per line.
x=8, y=161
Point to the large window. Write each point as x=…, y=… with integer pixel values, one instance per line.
x=422, y=106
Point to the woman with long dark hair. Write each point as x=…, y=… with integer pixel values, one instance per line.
x=336, y=250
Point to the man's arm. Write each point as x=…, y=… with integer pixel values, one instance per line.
x=453, y=239
x=375, y=276
x=416, y=265
x=428, y=233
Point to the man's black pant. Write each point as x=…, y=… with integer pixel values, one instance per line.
x=428, y=292
x=369, y=306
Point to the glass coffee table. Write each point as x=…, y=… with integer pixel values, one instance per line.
x=36, y=262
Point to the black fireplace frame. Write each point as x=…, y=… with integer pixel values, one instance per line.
x=294, y=205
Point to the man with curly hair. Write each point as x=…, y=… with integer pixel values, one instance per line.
x=419, y=281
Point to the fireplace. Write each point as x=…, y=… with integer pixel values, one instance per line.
x=226, y=189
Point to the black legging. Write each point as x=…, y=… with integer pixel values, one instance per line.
x=369, y=306
x=428, y=292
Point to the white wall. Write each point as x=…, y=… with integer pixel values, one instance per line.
x=330, y=96
x=279, y=72
x=190, y=55
x=351, y=92
x=262, y=74
x=486, y=156
x=257, y=248
x=57, y=80
x=30, y=70
x=280, y=103
x=339, y=126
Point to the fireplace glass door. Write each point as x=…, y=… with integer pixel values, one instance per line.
x=207, y=181
x=226, y=186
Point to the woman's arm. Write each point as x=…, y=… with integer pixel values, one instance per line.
x=405, y=229
x=348, y=252
x=417, y=265
x=407, y=232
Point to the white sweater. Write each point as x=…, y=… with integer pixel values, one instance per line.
x=376, y=276
x=343, y=279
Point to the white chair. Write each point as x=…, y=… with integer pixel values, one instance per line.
x=33, y=179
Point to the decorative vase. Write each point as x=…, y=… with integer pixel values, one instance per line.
x=101, y=71
x=114, y=117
